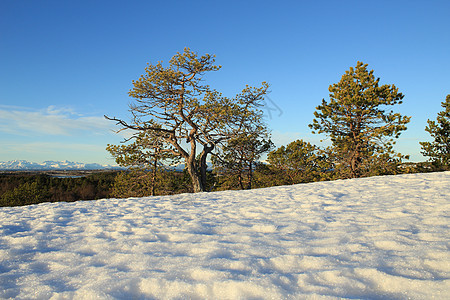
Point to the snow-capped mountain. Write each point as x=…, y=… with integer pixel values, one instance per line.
x=50, y=165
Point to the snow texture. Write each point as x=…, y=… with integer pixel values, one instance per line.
x=372, y=238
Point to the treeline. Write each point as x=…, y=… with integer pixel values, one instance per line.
x=26, y=189
x=286, y=167
x=19, y=189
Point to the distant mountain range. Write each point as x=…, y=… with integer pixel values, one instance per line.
x=23, y=165
x=51, y=165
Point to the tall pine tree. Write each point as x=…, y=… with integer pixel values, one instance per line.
x=356, y=120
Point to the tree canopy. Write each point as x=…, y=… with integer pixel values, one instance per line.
x=147, y=153
x=174, y=104
x=240, y=155
x=299, y=161
x=362, y=131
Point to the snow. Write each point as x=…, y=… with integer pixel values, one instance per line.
x=372, y=238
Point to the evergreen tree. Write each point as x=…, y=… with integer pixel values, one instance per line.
x=361, y=130
x=25, y=194
x=145, y=156
x=240, y=155
x=299, y=161
x=438, y=150
x=133, y=183
x=189, y=116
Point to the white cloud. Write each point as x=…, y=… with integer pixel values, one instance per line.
x=54, y=110
x=52, y=120
x=55, y=133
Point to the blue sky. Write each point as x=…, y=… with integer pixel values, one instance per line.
x=64, y=64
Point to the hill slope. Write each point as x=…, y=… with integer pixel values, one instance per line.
x=372, y=238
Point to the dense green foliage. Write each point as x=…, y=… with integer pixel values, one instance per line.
x=18, y=189
x=24, y=189
x=146, y=154
x=140, y=183
x=240, y=156
x=362, y=132
x=438, y=150
x=299, y=162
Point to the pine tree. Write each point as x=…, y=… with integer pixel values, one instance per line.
x=438, y=150
x=133, y=183
x=300, y=161
x=361, y=130
x=174, y=103
x=145, y=156
x=25, y=194
x=240, y=155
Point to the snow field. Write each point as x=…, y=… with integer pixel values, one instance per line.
x=372, y=238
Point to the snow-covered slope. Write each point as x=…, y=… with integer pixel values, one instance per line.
x=50, y=165
x=372, y=238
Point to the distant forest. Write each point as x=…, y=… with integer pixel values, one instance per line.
x=22, y=188
x=26, y=188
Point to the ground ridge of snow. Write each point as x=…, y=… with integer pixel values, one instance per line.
x=372, y=238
